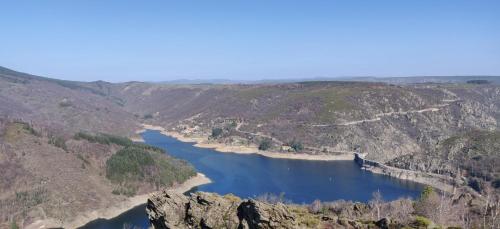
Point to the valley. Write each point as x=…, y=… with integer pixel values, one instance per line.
x=57, y=136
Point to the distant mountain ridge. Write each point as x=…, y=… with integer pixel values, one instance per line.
x=394, y=80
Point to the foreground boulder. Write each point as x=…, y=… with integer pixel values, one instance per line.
x=253, y=214
x=208, y=210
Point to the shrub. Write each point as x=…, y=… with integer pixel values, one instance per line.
x=30, y=129
x=216, y=132
x=13, y=225
x=496, y=183
x=309, y=221
x=428, y=204
x=118, y=140
x=103, y=139
x=79, y=156
x=478, y=82
x=127, y=191
x=149, y=147
x=296, y=145
x=31, y=198
x=421, y=221
x=426, y=193
x=233, y=125
x=265, y=144
x=148, y=116
x=58, y=142
x=475, y=184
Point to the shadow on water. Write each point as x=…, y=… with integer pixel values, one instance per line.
x=135, y=218
x=131, y=219
x=250, y=175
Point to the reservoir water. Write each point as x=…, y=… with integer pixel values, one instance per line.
x=250, y=175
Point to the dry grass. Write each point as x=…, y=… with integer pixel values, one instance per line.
x=304, y=218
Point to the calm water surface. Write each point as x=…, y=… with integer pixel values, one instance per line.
x=250, y=175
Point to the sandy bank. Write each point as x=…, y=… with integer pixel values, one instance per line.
x=254, y=150
x=202, y=142
x=113, y=211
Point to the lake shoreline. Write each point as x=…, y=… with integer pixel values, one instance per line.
x=201, y=142
x=398, y=173
x=118, y=208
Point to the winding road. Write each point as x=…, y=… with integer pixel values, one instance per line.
x=378, y=117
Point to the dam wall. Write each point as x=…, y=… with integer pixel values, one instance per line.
x=441, y=182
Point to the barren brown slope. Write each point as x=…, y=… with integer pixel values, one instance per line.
x=48, y=174
x=63, y=181
x=63, y=106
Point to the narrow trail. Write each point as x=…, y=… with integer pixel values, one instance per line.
x=237, y=128
x=333, y=151
x=256, y=134
x=378, y=117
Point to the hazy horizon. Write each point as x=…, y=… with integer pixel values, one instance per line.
x=120, y=41
x=268, y=80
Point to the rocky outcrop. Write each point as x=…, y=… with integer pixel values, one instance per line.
x=253, y=214
x=208, y=210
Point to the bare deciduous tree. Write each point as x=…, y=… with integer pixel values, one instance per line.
x=315, y=206
x=376, y=202
x=400, y=209
x=490, y=210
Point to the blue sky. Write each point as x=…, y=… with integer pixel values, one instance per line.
x=164, y=40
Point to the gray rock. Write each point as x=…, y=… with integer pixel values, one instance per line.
x=383, y=223
x=253, y=214
x=207, y=210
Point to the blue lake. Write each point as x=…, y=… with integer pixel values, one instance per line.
x=250, y=175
